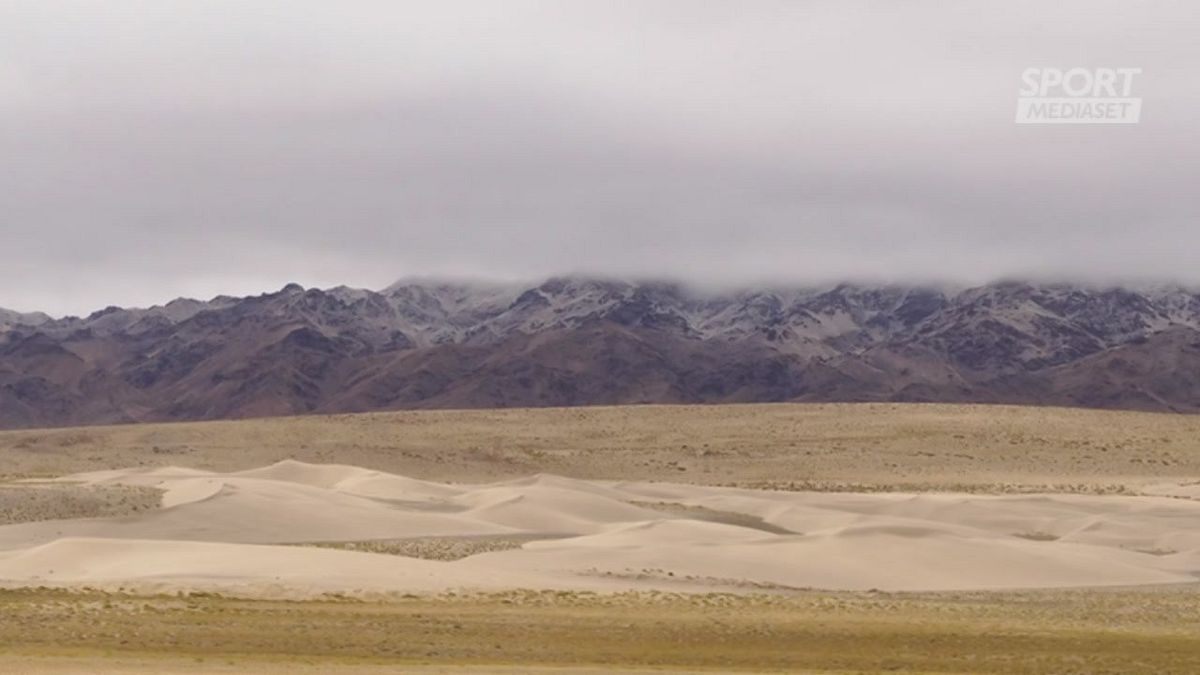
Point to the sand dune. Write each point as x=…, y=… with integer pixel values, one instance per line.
x=204, y=565
x=535, y=508
x=858, y=559
x=224, y=531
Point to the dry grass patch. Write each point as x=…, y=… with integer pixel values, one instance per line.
x=31, y=503
x=430, y=548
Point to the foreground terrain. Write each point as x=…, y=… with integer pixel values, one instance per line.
x=1114, y=631
x=830, y=538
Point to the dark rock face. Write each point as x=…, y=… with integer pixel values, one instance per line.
x=576, y=341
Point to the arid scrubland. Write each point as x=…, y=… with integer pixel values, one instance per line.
x=790, y=446
x=32, y=502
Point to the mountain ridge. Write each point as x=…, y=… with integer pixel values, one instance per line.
x=583, y=340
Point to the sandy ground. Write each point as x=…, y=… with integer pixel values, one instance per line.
x=225, y=532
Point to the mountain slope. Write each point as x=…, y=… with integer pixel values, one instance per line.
x=579, y=341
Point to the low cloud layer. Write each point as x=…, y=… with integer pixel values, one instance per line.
x=156, y=149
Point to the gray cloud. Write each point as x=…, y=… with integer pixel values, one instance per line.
x=156, y=149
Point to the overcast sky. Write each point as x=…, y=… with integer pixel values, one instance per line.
x=155, y=149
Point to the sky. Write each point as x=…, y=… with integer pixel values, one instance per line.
x=157, y=149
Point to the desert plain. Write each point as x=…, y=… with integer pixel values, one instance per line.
x=798, y=538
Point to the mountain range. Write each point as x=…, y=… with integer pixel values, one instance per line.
x=585, y=341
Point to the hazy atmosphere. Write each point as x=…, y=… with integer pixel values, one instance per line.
x=156, y=149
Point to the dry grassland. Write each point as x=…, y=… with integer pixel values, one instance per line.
x=797, y=446
x=1114, y=631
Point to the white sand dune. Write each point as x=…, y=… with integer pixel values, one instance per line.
x=258, y=511
x=222, y=530
x=535, y=508
x=352, y=480
x=134, y=476
x=204, y=565
x=857, y=560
